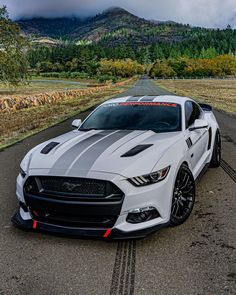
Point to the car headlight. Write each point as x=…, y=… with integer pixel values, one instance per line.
x=151, y=178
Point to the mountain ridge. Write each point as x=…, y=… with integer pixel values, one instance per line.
x=117, y=27
x=75, y=27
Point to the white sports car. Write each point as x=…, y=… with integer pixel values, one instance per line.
x=129, y=169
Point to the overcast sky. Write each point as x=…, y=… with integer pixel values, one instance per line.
x=208, y=13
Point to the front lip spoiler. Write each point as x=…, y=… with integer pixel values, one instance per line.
x=30, y=225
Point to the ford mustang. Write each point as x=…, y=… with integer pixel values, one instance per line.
x=127, y=170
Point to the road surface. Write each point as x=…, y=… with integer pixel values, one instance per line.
x=196, y=258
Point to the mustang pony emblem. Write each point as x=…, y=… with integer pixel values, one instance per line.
x=70, y=186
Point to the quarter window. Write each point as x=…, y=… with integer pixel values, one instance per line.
x=192, y=112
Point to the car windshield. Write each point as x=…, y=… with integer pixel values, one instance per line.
x=155, y=116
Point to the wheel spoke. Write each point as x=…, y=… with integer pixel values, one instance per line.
x=184, y=184
x=183, y=180
x=181, y=203
x=177, y=208
x=188, y=191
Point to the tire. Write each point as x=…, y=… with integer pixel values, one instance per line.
x=183, y=196
x=216, y=154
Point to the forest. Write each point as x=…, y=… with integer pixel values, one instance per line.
x=184, y=52
x=84, y=61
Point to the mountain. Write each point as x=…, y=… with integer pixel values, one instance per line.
x=113, y=26
x=49, y=27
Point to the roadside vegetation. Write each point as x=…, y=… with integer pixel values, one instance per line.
x=221, y=94
x=219, y=66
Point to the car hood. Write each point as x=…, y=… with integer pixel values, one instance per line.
x=77, y=153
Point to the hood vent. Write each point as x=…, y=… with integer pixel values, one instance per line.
x=136, y=150
x=49, y=147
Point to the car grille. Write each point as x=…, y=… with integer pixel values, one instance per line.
x=83, y=189
x=75, y=202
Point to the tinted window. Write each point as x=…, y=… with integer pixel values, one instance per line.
x=192, y=112
x=155, y=116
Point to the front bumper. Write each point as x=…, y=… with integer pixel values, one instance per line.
x=32, y=225
x=158, y=196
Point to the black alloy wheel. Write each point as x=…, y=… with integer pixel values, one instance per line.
x=183, y=196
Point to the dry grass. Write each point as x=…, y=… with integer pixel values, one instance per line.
x=36, y=87
x=221, y=94
x=17, y=125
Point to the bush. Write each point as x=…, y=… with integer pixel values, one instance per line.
x=162, y=69
x=220, y=66
x=65, y=75
x=50, y=75
x=104, y=78
x=124, y=68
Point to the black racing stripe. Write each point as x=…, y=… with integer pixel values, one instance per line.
x=69, y=156
x=86, y=161
x=148, y=98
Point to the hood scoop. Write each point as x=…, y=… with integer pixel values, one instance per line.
x=136, y=150
x=49, y=147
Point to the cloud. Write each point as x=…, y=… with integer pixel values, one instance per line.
x=208, y=13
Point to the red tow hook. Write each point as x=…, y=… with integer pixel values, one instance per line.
x=107, y=233
x=34, y=224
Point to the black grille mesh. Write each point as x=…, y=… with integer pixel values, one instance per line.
x=73, y=185
x=70, y=187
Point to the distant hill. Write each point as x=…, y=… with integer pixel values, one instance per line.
x=50, y=27
x=115, y=25
x=118, y=27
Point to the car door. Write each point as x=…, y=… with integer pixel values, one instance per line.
x=196, y=140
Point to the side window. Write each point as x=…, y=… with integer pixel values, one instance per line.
x=192, y=112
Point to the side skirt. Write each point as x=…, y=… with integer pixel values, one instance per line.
x=203, y=171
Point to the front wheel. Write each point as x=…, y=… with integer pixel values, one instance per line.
x=183, y=196
x=216, y=154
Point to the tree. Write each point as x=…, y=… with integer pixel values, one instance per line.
x=13, y=61
x=121, y=68
x=162, y=69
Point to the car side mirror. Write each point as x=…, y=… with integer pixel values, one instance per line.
x=76, y=123
x=199, y=124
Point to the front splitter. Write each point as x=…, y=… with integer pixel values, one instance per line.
x=37, y=226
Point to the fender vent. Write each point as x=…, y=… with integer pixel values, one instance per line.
x=189, y=142
x=136, y=150
x=210, y=138
x=49, y=147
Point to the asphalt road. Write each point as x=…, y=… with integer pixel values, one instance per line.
x=197, y=257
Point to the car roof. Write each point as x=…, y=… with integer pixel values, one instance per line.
x=150, y=98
